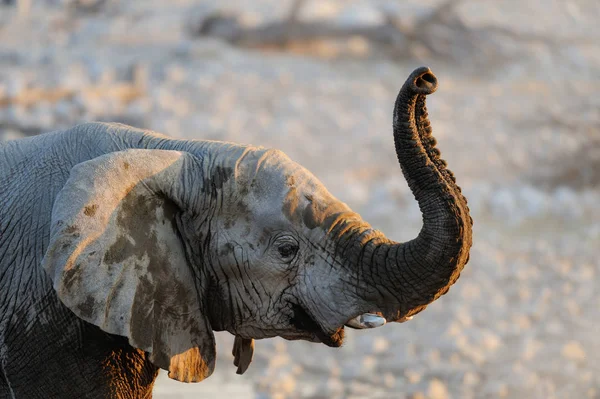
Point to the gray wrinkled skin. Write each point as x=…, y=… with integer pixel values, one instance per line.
x=106, y=218
x=122, y=250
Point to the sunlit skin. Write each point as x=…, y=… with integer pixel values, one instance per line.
x=123, y=250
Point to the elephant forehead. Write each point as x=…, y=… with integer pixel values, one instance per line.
x=307, y=201
x=280, y=187
x=310, y=206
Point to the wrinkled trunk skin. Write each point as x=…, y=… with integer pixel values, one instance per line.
x=408, y=276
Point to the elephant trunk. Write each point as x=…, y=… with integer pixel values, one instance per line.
x=408, y=276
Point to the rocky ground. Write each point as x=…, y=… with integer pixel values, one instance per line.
x=517, y=117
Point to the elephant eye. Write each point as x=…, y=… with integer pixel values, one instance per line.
x=288, y=251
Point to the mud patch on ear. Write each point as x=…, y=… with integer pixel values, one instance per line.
x=90, y=210
x=118, y=251
x=72, y=277
x=87, y=308
x=71, y=230
x=144, y=295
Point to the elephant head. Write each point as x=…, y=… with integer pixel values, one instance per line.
x=163, y=246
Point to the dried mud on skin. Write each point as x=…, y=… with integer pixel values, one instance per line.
x=518, y=126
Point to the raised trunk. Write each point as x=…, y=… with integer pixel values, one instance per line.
x=410, y=275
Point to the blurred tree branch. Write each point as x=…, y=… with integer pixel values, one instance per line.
x=441, y=32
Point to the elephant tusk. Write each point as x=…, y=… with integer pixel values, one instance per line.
x=366, y=320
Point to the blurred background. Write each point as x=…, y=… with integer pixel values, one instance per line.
x=517, y=117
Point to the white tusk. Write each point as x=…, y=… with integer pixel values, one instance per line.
x=366, y=320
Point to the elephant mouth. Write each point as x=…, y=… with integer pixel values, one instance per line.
x=304, y=322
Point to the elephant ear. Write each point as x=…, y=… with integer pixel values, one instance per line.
x=117, y=260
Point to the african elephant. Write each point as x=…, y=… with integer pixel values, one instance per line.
x=122, y=250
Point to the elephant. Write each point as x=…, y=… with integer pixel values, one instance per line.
x=122, y=251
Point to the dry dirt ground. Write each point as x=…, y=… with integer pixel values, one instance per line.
x=517, y=117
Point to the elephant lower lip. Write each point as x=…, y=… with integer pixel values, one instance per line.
x=335, y=340
x=303, y=321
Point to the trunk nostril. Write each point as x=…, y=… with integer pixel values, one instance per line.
x=423, y=81
x=429, y=78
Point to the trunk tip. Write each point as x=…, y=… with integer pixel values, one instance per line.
x=422, y=81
